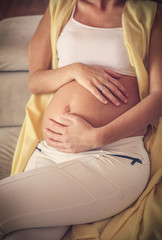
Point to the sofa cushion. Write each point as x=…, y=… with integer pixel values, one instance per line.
x=15, y=34
x=14, y=95
x=8, y=140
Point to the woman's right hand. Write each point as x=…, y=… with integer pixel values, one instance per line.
x=101, y=82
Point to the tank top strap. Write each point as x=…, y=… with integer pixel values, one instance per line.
x=72, y=14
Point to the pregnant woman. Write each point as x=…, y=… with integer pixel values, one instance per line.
x=94, y=125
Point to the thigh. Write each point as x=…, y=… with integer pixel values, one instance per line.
x=69, y=193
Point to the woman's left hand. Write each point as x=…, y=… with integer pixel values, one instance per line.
x=77, y=136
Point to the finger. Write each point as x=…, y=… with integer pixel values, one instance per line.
x=53, y=143
x=114, y=92
x=55, y=126
x=60, y=146
x=110, y=96
x=119, y=85
x=104, y=90
x=52, y=135
x=113, y=74
x=106, y=80
x=67, y=149
x=95, y=91
x=69, y=116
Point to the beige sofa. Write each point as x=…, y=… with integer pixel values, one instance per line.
x=15, y=34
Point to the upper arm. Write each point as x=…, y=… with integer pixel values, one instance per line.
x=155, y=53
x=39, y=50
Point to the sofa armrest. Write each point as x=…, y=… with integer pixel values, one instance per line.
x=15, y=35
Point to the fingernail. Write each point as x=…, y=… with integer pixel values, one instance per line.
x=105, y=102
x=117, y=103
x=125, y=101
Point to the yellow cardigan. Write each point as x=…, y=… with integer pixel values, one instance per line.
x=137, y=19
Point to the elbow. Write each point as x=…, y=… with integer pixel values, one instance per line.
x=32, y=86
x=31, y=83
x=157, y=95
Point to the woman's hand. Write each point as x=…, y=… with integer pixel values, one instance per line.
x=77, y=136
x=101, y=82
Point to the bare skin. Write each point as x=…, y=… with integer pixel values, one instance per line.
x=81, y=128
x=73, y=98
x=42, y=79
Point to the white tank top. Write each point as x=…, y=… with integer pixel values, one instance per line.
x=94, y=46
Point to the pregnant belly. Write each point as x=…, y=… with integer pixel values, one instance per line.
x=74, y=98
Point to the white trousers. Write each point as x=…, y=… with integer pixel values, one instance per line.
x=65, y=189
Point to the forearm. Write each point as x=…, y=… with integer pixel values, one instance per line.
x=49, y=80
x=132, y=121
